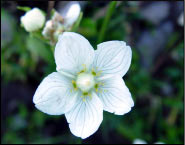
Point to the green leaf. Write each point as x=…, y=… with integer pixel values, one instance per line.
x=88, y=27
x=104, y=26
x=26, y=9
x=38, y=118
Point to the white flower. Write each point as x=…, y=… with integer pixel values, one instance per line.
x=180, y=19
x=61, y=21
x=159, y=142
x=70, y=12
x=48, y=29
x=33, y=20
x=140, y=141
x=86, y=83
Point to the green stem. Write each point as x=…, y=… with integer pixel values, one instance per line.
x=77, y=23
x=110, y=10
x=172, y=116
x=40, y=37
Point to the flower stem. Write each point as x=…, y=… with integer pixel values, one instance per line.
x=110, y=10
x=77, y=23
x=40, y=37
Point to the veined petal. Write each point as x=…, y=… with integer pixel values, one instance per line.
x=72, y=52
x=86, y=116
x=115, y=96
x=53, y=96
x=113, y=57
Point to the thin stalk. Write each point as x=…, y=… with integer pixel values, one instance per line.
x=77, y=23
x=110, y=11
x=40, y=37
x=50, y=7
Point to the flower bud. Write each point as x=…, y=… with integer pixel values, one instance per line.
x=33, y=20
x=72, y=14
x=53, y=28
x=48, y=29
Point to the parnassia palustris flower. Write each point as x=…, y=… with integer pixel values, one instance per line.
x=87, y=82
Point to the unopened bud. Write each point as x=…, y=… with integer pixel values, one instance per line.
x=33, y=20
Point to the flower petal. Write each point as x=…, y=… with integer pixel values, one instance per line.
x=113, y=57
x=72, y=13
x=86, y=116
x=54, y=96
x=115, y=96
x=72, y=51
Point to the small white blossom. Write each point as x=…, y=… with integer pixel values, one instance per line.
x=140, y=141
x=180, y=19
x=62, y=21
x=33, y=20
x=86, y=83
x=48, y=28
x=53, y=28
x=159, y=142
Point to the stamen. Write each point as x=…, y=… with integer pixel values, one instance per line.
x=96, y=90
x=74, y=85
x=93, y=72
x=84, y=99
x=96, y=86
x=71, y=90
x=90, y=96
x=101, y=83
x=85, y=93
x=83, y=70
x=96, y=73
x=84, y=66
x=99, y=73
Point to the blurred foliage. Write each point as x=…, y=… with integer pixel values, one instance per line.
x=158, y=114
